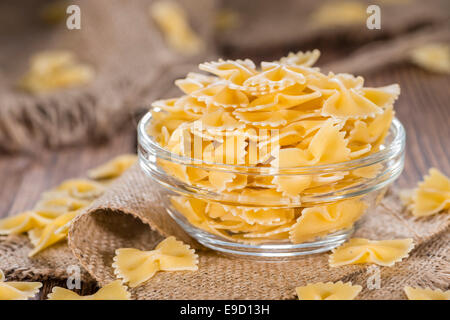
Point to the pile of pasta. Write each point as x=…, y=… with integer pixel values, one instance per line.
x=49, y=221
x=284, y=114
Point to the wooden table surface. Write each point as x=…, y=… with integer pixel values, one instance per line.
x=423, y=108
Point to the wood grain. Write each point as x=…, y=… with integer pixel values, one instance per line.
x=423, y=108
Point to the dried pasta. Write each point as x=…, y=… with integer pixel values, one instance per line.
x=426, y=294
x=431, y=196
x=383, y=253
x=113, y=168
x=49, y=221
x=339, y=13
x=328, y=291
x=13, y=290
x=172, y=20
x=283, y=114
x=53, y=70
x=318, y=221
x=112, y=291
x=434, y=57
x=135, y=266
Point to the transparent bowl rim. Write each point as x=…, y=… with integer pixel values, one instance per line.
x=393, y=149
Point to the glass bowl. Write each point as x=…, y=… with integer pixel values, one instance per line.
x=357, y=183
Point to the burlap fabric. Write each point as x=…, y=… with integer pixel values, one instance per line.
x=130, y=215
x=132, y=64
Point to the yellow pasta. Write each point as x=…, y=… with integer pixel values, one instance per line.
x=53, y=70
x=339, y=13
x=434, y=57
x=383, y=253
x=431, y=196
x=49, y=221
x=135, y=266
x=328, y=291
x=112, y=291
x=81, y=188
x=318, y=221
x=426, y=294
x=50, y=234
x=278, y=116
x=13, y=290
x=25, y=221
x=113, y=168
x=306, y=59
x=172, y=20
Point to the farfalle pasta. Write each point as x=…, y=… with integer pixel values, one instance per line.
x=431, y=196
x=282, y=118
x=114, y=290
x=53, y=70
x=136, y=266
x=328, y=291
x=383, y=252
x=14, y=290
x=426, y=294
x=49, y=221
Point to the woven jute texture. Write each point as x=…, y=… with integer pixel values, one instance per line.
x=130, y=215
x=132, y=63
x=56, y=262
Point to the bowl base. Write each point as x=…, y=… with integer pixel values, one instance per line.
x=271, y=251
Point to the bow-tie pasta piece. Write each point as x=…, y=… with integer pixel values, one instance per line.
x=53, y=70
x=321, y=220
x=173, y=22
x=25, y=221
x=434, y=57
x=292, y=134
x=274, y=118
x=276, y=77
x=431, y=196
x=113, y=168
x=52, y=233
x=372, y=131
x=193, y=209
x=291, y=186
x=60, y=204
x=221, y=95
x=340, y=13
x=288, y=98
x=269, y=232
x=426, y=294
x=382, y=96
x=218, y=120
x=328, y=291
x=235, y=72
x=112, y=291
x=306, y=59
x=194, y=81
x=81, y=188
x=327, y=146
x=135, y=266
x=13, y=290
x=266, y=196
x=384, y=252
x=347, y=102
x=221, y=181
x=262, y=216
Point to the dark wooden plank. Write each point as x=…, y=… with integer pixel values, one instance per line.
x=423, y=108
